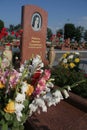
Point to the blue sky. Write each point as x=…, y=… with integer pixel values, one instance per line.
x=59, y=11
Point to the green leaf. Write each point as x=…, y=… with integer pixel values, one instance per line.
x=8, y=117
x=1, y=112
x=16, y=123
x=21, y=127
x=26, y=102
x=2, y=121
x=23, y=118
x=4, y=126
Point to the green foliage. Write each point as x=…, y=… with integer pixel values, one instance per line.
x=11, y=28
x=81, y=89
x=59, y=31
x=17, y=27
x=69, y=30
x=1, y=24
x=49, y=33
x=65, y=77
x=85, y=35
x=9, y=38
x=78, y=33
x=14, y=28
x=72, y=32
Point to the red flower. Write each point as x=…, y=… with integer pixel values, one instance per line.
x=59, y=35
x=4, y=29
x=36, y=76
x=1, y=36
x=17, y=34
x=5, y=33
x=18, y=42
x=8, y=44
x=12, y=33
x=21, y=31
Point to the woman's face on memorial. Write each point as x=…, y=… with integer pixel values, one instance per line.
x=37, y=20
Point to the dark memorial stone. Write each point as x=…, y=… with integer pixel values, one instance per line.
x=34, y=23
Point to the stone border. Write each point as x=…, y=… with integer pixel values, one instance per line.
x=77, y=101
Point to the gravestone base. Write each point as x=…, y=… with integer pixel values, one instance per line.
x=66, y=115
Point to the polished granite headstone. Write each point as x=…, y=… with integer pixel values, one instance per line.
x=34, y=23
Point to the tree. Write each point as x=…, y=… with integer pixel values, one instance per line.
x=14, y=28
x=17, y=27
x=1, y=24
x=49, y=33
x=69, y=31
x=59, y=31
x=11, y=28
x=78, y=33
x=85, y=35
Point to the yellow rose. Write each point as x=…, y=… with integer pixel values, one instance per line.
x=64, y=55
x=2, y=85
x=66, y=65
x=77, y=60
x=30, y=90
x=10, y=107
x=72, y=65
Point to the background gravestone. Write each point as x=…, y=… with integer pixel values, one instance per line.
x=34, y=23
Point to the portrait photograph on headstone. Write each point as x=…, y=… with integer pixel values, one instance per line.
x=36, y=21
x=43, y=65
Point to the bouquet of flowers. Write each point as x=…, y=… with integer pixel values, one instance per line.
x=23, y=92
x=70, y=60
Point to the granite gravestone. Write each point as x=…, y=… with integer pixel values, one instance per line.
x=34, y=23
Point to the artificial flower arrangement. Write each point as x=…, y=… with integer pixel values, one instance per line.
x=26, y=91
x=70, y=60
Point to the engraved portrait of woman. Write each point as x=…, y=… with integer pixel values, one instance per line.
x=36, y=21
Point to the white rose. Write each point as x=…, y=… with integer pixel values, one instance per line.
x=70, y=57
x=65, y=61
